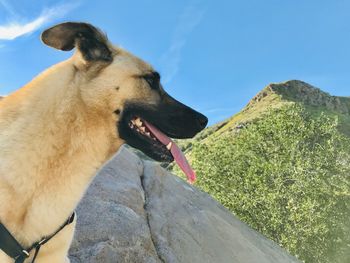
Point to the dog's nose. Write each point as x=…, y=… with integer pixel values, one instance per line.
x=202, y=121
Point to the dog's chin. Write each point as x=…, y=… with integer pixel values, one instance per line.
x=135, y=134
x=157, y=153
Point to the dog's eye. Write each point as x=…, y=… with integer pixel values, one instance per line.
x=153, y=80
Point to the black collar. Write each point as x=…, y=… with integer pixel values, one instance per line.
x=14, y=250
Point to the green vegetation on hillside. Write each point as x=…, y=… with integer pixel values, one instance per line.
x=294, y=185
x=275, y=96
x=287, y=175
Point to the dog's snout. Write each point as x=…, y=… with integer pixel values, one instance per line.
x=180, y=121
x=202, y=121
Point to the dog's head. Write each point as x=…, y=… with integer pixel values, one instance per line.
x=126, y=88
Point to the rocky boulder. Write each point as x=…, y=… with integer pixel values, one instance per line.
x=135, y=211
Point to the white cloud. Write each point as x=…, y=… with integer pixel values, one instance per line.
x=188, y=21
x=15, y=29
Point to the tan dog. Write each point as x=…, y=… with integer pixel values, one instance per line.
x=60, y=128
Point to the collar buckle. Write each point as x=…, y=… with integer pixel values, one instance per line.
x=25, y=252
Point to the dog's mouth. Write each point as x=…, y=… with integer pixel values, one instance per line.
x=144, y=136
x=148, y=128
x=148, y=133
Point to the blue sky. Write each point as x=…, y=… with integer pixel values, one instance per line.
x=212, y=55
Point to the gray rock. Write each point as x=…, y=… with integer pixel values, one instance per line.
x=138, y=212
x=112, y=224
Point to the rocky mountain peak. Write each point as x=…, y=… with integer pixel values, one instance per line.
x=302, y=92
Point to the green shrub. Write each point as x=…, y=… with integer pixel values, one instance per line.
x=287, y=176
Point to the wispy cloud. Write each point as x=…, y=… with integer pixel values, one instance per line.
x=14, y=29
x=189, y=19
x=5, y=4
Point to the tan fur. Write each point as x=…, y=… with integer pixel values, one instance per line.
x=55, y=133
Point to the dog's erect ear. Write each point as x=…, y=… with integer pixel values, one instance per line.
x=88, y=39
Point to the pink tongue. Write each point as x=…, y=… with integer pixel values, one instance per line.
x=179, y=157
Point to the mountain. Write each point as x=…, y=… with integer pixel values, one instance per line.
x=276, y=95
x=281, y=165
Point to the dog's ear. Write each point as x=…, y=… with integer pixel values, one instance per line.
x=86, y=38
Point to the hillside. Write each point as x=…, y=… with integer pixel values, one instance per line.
x=281, y=165
x=276, y=95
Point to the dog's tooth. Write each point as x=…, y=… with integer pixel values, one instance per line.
x=169, y=145
x=148, y=134
x=138, y=122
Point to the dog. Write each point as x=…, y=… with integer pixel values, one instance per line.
x=60, y=128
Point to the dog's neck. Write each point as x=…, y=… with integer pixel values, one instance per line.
x=51, y=145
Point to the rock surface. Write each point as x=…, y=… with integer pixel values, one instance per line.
x=136, y=211
x=112, y=223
